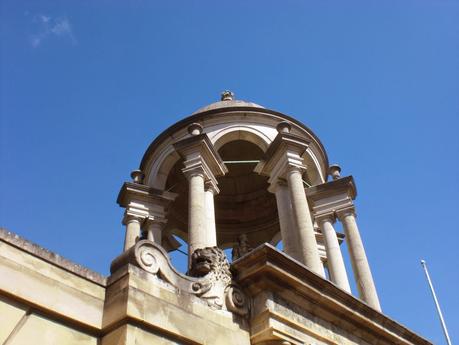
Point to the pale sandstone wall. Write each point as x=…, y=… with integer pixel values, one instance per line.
x=153, y=309
x=21, y=326
x=45, y=299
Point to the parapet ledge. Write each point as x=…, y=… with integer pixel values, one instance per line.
x=269, y=272
x=330, y=188
x=51, y=257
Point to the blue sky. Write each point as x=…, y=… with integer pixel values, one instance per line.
x=85, y=86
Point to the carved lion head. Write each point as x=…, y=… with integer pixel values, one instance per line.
x=209, y=259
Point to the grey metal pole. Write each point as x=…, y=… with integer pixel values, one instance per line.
x=443, y=325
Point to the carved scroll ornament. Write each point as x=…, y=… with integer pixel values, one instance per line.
x=210, y=278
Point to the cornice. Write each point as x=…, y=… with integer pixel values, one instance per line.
x=284, y=153
x=331, y=188
x=265, y=270
x=289, y=140
x=52, y=258
x=134, y=191
x=201, y=146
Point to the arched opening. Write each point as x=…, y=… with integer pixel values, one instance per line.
x=244, y=205
x=241, y=133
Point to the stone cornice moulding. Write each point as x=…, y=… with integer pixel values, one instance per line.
x=141, y=193
x=266, y=270
x=332, y=197
x=200, y=157
x=142, y=202
x=50, y=257
x=284, y=153
x=343, y=184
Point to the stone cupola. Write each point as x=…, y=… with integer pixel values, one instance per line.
x=236, y=175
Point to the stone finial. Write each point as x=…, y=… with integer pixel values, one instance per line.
x=284, y=127
x=137, y=176
x=227, y=96
x=195, y=129
x=334, y=171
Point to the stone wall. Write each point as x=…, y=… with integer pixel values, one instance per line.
x=46, y=299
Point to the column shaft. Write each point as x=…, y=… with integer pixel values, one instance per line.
x=132, y=232
x=335, y=260
x=154, y=232
x=309, y=254
x=284, y=209
x=362, y=273
x=197, y=237
x=210, y=218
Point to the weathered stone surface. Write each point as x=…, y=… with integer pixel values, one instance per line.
x=39, y=330
x=10, y=315
x=48, y=256
x=29, y=274
x=138, y=298
x=291, y=303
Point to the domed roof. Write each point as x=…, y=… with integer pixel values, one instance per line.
x=227, y=101
x=252, y=112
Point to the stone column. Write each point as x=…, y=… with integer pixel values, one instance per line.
x=153, y=227
x=335, y=261
x=306, y=240
x=132, y=230
x=284, y=210
x=202, y=163
x=197, y=234
x=362, y=273
x=210, y=192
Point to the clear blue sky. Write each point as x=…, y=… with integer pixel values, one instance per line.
x=87, y=85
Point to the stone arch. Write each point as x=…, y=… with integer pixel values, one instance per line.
x=314, y=174
x=161, y=167
x=241, y=132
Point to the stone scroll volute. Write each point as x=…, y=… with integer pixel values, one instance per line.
x=210, y=278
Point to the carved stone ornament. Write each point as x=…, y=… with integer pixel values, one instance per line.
x=210, y=277
x=241, y=248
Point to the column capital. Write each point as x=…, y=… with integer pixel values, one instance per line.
x=144, y=201
x=138, y=193
x=132, y=216
x=349, y=211
x=330, y=217
x=274, y=185
x=209, y=186
x=196, y=169
x=294, y=166
x=149, y=221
